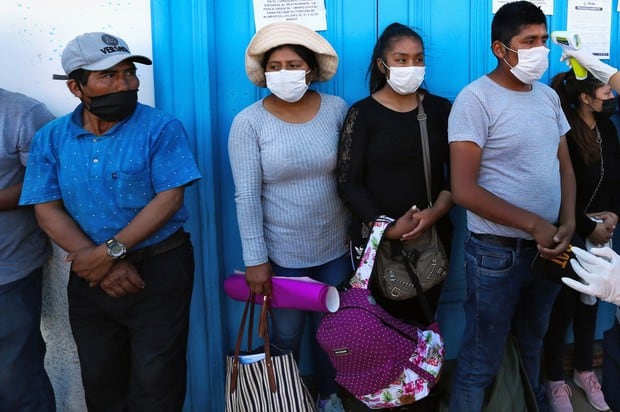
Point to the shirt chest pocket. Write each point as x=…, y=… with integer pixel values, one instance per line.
x=135, y=189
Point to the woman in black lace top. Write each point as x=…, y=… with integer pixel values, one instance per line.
x=594, y=152
x=380, y=164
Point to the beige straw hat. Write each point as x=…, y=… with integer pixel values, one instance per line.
x=278, y=34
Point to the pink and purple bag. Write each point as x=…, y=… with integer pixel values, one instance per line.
x=380, y=359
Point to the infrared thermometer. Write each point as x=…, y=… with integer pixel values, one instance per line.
x=570, y=41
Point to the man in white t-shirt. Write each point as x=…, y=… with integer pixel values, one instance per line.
x=511, y=170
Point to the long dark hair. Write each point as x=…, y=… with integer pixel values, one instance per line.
x=569, y=89
x=393, y=32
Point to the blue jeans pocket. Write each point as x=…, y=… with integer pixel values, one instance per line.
x=490, y=260
x=495, y=260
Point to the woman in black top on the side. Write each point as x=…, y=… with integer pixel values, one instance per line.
x=593, y=145
x=380, y=164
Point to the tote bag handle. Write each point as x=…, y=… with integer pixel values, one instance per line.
x=263, y=332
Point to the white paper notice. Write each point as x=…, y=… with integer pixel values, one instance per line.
x=545, y=5
x=310, y=13
x=591, y=19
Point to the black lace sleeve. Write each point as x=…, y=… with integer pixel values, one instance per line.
x=351, y=167
x=344, y=147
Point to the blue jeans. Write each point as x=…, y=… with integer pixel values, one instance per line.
x=290, y=323
x=503, y=296
x=24, y=384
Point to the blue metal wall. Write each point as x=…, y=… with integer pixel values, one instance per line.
x=198, y=50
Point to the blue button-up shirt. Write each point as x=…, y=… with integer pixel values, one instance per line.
x=104, y=181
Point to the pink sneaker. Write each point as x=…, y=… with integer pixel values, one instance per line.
x=589, y=383
x=558, y=395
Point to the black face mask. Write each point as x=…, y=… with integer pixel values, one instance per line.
x=114, y=107
x=609, y=107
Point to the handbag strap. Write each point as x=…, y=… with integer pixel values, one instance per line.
x=364, y=270
x=426, y=157
x=426, y=306
x=362, y=274
x=235, y=371
x=263, y=331
x=426, y=152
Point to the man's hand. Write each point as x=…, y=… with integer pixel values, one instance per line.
x=559, y=241
x=123, y=279
x=551, y=240
x=600, y=271
x=91, y=263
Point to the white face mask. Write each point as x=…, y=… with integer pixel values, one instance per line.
x=288, y=85
x=532, y=63
x=405, y=80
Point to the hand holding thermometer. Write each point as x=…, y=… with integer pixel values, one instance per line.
x=570, y=41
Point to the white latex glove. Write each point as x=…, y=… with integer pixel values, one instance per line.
x=598, y=69
x=600, y=271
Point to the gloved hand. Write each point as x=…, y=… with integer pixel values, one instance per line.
x=598, y=69
x=600, y=271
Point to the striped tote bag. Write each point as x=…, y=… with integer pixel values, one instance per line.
x=265, y=379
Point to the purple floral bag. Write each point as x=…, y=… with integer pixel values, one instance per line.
x=380, y=359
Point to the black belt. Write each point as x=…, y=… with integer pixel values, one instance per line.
x=511, y=242
x=175, y=240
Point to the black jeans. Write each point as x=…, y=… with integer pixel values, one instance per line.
x=568, y=307
x=132, y=349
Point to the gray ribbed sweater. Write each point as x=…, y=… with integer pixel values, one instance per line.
x=285, y=186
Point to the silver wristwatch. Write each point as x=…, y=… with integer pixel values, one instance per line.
x=116, y=250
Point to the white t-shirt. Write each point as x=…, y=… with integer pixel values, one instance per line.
x=519, y=133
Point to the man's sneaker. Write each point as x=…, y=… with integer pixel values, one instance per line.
x=558, y=396
x=592, y=388
x=333, y=404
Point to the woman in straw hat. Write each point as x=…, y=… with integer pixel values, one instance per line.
x=283, y=156
x=380, y=163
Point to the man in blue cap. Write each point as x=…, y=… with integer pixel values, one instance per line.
x=107, y=182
